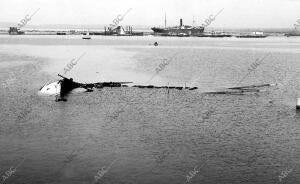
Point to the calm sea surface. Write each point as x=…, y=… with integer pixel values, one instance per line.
x=145, y=136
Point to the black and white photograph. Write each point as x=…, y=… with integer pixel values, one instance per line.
x=150, y=92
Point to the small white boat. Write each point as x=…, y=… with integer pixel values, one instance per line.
x=87, y=36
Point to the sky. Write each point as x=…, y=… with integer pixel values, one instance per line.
x=235, y=14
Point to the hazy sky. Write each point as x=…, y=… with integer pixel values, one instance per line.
x=236, y=13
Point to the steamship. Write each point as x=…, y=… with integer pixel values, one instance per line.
x=181, y=30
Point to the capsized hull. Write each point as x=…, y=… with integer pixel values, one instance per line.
x=54, y=89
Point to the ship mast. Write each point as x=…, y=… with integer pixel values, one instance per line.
x=193, y=21
x=165, y=20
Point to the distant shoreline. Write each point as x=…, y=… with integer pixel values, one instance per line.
x=143, y=33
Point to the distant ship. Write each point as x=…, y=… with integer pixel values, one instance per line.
x=292, y=34
x=181, y=30
x=15, y=31
x=215, y=35
x=253, y=35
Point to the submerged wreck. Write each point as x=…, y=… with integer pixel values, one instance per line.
x=62, y=88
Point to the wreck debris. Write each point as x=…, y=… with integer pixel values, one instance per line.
x=241, y=90
x=62, y=88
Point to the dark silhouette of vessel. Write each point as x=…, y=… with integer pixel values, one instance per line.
x=214, y=35
x=253, y=35
x=292, y=34
x=15, y=31
x=181, y=30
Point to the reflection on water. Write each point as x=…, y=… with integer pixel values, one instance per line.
x=156, y=136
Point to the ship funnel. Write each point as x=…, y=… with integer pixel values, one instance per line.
x=180, y=22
